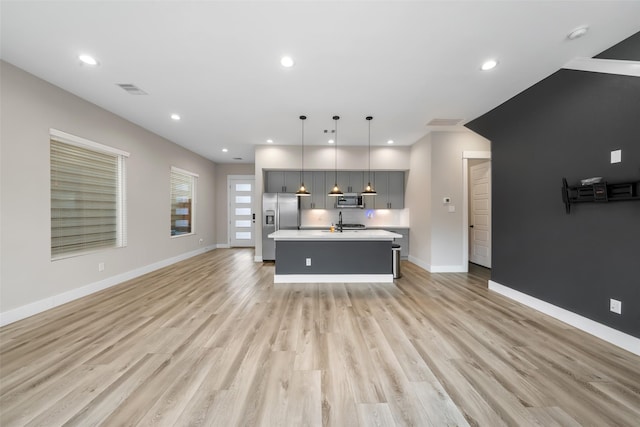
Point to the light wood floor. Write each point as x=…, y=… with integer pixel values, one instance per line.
x=211, y=341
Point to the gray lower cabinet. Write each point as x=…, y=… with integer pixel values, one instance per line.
x=404, y=242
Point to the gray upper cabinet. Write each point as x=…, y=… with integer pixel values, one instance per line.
x=396, y=190
x=282, y=181
x=389, y=185
x=315, y=183
x=349, y=181
x=390, y=189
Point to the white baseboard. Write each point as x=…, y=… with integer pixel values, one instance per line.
x=437, y=268
x=448, y=269
x=36, y=307
x=222, y=245
x=613, y=336
x=420, y=263
x=333, y=278
x=257, y=258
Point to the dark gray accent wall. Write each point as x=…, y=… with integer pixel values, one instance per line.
x=626, y=50
x=566, y=126
x=333, y=257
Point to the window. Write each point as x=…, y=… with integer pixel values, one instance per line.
x=183, y=191
x=87, y=196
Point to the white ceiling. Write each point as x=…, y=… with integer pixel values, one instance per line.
x=217, y=64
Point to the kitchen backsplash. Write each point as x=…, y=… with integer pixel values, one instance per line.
x=368, y=217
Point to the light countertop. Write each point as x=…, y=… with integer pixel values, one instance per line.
x=326, y=235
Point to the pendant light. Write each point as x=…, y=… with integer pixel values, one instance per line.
x=335, y=191
x=369, y=190
x=302, y=191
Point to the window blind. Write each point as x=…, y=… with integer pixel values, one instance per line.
x=182, y=202
x=87, y=199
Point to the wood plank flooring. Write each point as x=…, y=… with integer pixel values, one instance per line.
x=212, y=341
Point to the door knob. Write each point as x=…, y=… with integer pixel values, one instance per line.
x=471, y=226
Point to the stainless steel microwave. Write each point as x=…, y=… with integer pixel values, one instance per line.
x=349, y=200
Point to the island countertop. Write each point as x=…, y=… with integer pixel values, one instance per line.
x=326, y=235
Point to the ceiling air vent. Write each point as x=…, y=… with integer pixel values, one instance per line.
x=132, y=89
x=237, y=158
x=444, y=122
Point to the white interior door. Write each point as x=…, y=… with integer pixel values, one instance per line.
x=480, y=221
x=241, y=211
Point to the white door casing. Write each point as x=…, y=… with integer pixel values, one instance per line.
x=480, y=210
x=241, y=227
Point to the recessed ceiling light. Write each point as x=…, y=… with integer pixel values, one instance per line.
x=331, y=141
x=390, y=141
x=269, y=141
x=489, y=65
x=175, y=117
x=577, y=33
x=224, y=150
x=88, y=60
x=287, y=61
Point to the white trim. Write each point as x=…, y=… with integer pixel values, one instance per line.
x=230, y=177
x=257, y=258
x=606, y=333
x=466, y=155
x=449, y=268
x=476, y=154
x=606, y=66
x=36, y=307
x=77, y=141
x=420, y=263
x=184, y=172
x=222, y=245
x=333, y=278
x=438, y=268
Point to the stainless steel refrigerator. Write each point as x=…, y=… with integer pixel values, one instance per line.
x=280, y=211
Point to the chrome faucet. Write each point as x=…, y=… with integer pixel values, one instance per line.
x=340, y=222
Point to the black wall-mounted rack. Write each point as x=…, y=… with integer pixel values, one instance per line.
x=599, y=192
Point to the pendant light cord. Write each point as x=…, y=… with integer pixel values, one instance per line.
x=302, y=118
x=369, y=120
x=335, y=118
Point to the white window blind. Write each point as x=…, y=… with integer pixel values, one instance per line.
x=87, y=196
x=183, y=184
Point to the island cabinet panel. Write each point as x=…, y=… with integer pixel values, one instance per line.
x=333, y=257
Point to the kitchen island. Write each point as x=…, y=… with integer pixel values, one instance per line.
x=315, y=256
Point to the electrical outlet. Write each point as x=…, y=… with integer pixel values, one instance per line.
x=308, y=262
x=200, y=241
x=101, y=266
x=615, y=306
x=616, y=156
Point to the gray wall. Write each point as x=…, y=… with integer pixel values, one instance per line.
x=30, y=107
x=566, y=126
x=436, y=234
